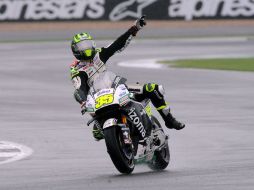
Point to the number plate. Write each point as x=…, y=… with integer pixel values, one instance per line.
x=103, y=100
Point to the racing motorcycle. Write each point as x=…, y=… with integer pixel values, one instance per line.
x=132, y=134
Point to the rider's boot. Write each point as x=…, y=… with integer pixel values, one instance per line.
x=156, y=93
x=97, y=131
x=170, y=121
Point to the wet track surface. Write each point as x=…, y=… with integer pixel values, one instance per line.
x=215, y=151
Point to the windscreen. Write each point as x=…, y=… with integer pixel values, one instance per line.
x=104, y=80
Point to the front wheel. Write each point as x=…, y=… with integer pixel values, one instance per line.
x=161, y=157
x=120, y=153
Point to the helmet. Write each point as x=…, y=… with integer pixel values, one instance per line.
x=83, y=46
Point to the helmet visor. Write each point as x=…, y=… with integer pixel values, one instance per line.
x=85, y=44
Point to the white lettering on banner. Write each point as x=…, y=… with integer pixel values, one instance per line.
x=95, y=9
x=11, y=9
x=238, y=8
x=190, y=9
x=51, y=9
x=125, y=9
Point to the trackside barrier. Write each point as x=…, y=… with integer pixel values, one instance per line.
x=114, y=10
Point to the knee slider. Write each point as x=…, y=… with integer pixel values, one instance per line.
x=154, y=90
x=150, y=87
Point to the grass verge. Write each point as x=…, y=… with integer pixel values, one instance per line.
x=234, y=64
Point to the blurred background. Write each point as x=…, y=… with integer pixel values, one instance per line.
x=201, y=51
x=59, y=19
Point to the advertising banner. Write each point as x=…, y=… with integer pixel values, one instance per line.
x=115, y=10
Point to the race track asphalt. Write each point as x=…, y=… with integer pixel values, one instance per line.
x=37, y=109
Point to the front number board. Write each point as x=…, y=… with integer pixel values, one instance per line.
x=103, y=100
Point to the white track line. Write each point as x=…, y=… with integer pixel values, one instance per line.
x=7, y=154
x=153, y=63
x=15, y=152
x=144, y=63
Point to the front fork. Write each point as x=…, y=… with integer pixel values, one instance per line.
x=126, y=134
x=113, y=122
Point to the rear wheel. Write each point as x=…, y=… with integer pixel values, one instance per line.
x=161, y=157
x=120, y=153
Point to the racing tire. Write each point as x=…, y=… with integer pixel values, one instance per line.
x=115, y=147
x=161, y=157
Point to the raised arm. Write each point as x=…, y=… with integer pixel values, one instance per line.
x=123, y=41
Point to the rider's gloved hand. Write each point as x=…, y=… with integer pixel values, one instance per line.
x=138, y=24
x=83, y=108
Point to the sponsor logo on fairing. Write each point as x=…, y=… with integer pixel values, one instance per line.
x=136, y=121
x=124, y=100
x=117, y=80
x=122, y=87
x=109, y=123
x=104, y=92
x=122, y=94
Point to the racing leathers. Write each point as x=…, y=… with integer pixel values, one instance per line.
x=83, y=74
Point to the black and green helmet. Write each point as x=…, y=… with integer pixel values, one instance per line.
x=83, y=46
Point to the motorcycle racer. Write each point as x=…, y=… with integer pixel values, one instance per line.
x=90, y=61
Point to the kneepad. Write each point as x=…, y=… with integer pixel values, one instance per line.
x=152, y=88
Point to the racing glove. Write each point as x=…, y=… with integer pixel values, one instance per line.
x=83, y=107
x=138, y=24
